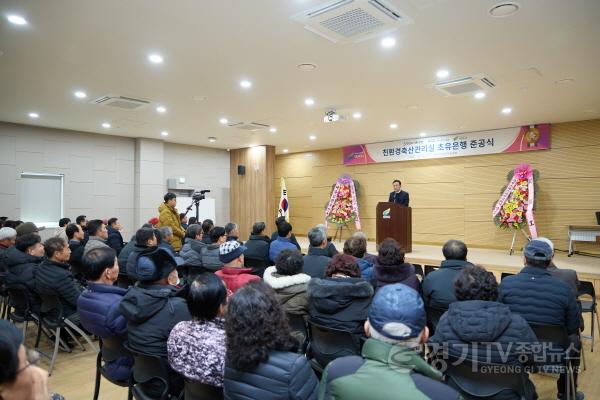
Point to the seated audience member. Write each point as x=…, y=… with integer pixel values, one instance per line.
x=75, y=237
x=20, y=377
x=98, y=236
x=331, y=250
x=210, y=255
x=153, y=307
x=233, y=232
x=62, y=226
x=357, y=247
x=22, y=262
x=115, y=239
x=184, y=220
x=391, y=268
x=260, y=361
x=233, y=273
x=98, y=305
x=479, y=328
x=207, y=226
x=341, y=300
x=196, y=348
x=168, y=216
x=257, y=254
x=282, y=242
x=54, y=277
x=164, y=236
x=126, y=251
x=316, y=261
x=372, y=258
x=438, y=286
x=391, y=366
x=191, y=252
x=193, y=220
x=8, y=236
x=289, y=283
x=25, y=228
x=541, y=298
x=82, y=221
x=154, y=221
x=275, y=234
x=145, y=242
x=568, y=276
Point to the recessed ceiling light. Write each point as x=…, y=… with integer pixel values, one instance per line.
x=80, y=95
x=506, y=110
x=356, y=115
x=312, y=137
x=164, y=133
x=16, y=19
x=504, y=9
x=388, y=42
x=565, y=81
x=245, y=84
x=106, y=125
x=393, y=125
x=442, y=73
x=272, y=129
x=155, y=58
x=212, y=139
x=309, y=101
x=306, y=67
x=423, y=134
x=223, y=121
x=479, y=95
x=285, y=150
x=34, y=115
x=161, y=109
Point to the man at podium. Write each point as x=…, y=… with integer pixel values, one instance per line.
x=398, y=195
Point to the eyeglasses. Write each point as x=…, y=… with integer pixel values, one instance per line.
x=32, y=357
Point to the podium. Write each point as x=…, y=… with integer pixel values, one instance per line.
x=394, y=221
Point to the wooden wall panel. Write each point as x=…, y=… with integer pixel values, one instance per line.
x=453, y=197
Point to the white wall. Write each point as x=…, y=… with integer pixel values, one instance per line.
x=103, y=178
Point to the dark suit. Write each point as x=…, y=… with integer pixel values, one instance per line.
x=401, y=198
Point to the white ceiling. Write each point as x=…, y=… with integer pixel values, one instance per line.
x=102, y=47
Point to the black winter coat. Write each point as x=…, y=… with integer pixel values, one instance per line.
x=151, y=312
x=283, y=376
x=55, y=278
x=438, y=286
x=257, y=255
x=340, y=303
x=124, y=255
x=21, y=270
x=115, y=239
x=315, y=262
x=389, y=274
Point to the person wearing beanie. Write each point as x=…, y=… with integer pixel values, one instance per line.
x=20, y=377
x=541, y=298
x=7, y=239
x=390, y=365
x=233, y=273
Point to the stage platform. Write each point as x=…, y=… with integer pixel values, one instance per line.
x=497, y=261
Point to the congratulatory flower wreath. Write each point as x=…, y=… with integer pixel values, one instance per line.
x=343, y=207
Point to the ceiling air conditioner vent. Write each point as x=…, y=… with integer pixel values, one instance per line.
x=248, y=126
x=123, y=102
x=351, y=21
x=466, y=85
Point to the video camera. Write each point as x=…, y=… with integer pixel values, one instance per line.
x=199, y=195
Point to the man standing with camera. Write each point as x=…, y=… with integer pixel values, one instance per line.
x=169, y=216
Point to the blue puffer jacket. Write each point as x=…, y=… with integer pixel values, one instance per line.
x=541, y=298
x=283, y=376
x=278, y=245
x=366, y=268
x=98, y=308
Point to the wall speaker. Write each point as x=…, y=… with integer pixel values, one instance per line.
x=241, y=170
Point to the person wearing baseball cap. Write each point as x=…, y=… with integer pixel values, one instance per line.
x=543, y=299
x=7, y=239
x=233, y=273
x=28, y=227
x=390, y=366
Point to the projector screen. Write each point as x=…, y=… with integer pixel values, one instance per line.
x=41, y=198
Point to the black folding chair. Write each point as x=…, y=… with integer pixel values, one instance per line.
x=430, y=268
x=111, y=349
x=419, y=271
x=504, y=275
x=327, y=344
x=299, y=330
x=53, y=317
x=477, y=380
x=200, y=391
x=589, y=306
x=151, y=376
x=555, y=354
x=433, y=317
x=19, y=309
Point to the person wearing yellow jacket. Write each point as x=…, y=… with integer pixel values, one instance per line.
x=168, y=216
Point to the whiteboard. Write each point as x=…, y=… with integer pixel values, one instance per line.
x=205, y=210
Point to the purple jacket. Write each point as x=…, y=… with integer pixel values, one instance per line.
x=196, y=350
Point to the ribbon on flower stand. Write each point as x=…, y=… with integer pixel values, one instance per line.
x=338, y=203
